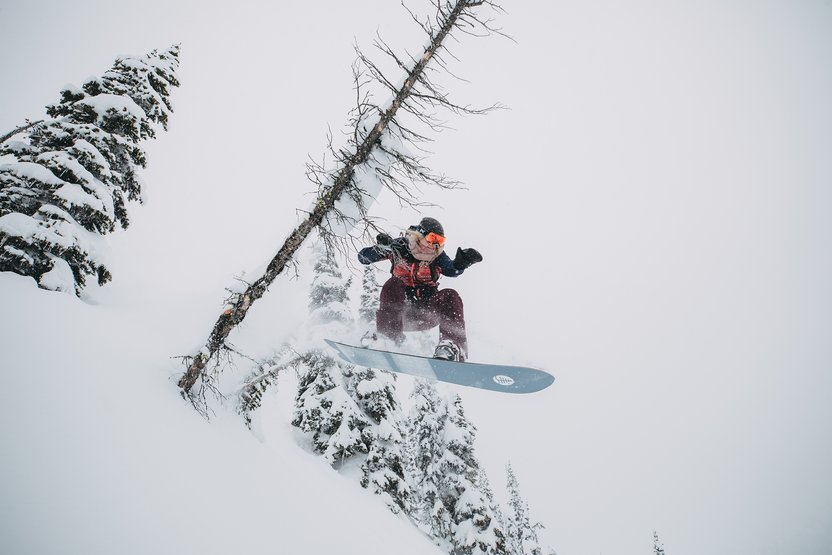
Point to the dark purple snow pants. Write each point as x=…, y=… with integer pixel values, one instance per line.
x=397, y=314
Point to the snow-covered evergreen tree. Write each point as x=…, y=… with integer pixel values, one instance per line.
x=384, y=468
x=329, y=294
x=476, y=530
x=348, y=411
x=369, y=295
x=326, y=411
x=426, y=445
x=324, y=408
x=328, y=310
x=451, y=502
x=66, y=181
x=658, y=548
x=263, y=378
x=521, y=534
x=499, y=516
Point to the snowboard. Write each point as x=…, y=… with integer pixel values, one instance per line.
x=494, y=377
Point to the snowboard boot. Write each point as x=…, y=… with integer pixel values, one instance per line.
x=448, y=350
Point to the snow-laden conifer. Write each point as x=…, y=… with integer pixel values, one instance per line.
x=329, y=314
x=65, y=181
x=324, y=407
x=326, y=411
x=369, y=295
x=351, y=414
x=521, y=534
x=476, y=530
x=499, y=516
x=451, y=502
x=329, y=294
x=425, y=441
x=658, y=547
x=263, y=378
x=384, y=468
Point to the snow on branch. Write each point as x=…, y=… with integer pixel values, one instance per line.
x=67, y=179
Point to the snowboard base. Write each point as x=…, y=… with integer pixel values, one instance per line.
x=493, y=377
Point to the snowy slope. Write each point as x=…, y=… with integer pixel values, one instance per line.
x=654, y=212
x=101, y=455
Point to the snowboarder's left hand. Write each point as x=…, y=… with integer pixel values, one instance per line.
x=465, y=257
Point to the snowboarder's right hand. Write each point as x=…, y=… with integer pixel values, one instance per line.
x=384, y=244
x=383, y=240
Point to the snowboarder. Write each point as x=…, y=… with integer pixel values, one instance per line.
x=411, y=300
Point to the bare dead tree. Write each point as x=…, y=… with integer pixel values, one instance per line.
x=379, y=147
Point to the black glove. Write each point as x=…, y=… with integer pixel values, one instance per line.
x=384, y=244
x=383, y=239
x=466, y=257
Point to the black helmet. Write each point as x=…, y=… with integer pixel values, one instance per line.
x=429, y=225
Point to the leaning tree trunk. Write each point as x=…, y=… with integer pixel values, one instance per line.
x=233, y=316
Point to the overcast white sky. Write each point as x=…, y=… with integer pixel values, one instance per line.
x=654, y=211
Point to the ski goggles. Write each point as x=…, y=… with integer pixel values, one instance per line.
x=430, y=236
x=435, y=239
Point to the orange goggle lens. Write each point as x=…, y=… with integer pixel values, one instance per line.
x=435, y=239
